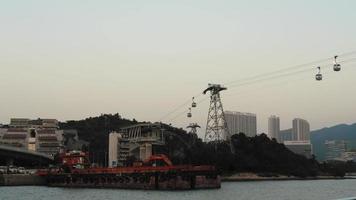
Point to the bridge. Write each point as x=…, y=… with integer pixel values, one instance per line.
x=22, y=157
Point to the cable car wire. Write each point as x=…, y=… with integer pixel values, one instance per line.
x=289, y=68
x=260, y=80
x=285, y=74
x=251, y=79
x=278, y=84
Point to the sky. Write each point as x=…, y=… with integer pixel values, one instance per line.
x=74, y=59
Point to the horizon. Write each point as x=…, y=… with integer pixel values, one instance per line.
x=123, y=117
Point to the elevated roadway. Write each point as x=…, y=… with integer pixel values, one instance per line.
x=22, y=157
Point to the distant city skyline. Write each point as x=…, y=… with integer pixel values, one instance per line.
x=71, y=60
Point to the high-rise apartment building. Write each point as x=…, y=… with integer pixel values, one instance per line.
x=238, y=122
x=300, y=130
x=273, y=127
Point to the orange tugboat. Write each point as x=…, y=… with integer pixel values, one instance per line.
x=156, y=173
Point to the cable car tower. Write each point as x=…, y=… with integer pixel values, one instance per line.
x=193, y=128
x=216, y=127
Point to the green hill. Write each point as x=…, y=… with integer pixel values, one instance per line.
x=338, y=132
x=95, y=130
x=257, y=154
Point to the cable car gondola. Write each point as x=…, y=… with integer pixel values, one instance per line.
x=189, y=114
x=319, y=76
x=193, y=103
x=337, y=66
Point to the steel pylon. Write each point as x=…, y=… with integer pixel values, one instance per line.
x=216, y=127
x=193, y=128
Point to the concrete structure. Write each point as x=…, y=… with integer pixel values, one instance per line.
x=22, y=157
x=138, y=141
x=36, y=123
x=335, y=149
x=273, y=127
x=49, y=141
x=113, y=149
x=300, y=147
x=17, y=137
x=32, y=141
x=41, y=135
x=21, y=180
x=238, y=122
x=19, y=122
x=300, y=130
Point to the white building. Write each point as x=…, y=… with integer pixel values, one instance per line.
x=113, y=148
x=273, y=127
x=300, y=147
x=238, y=122
x=41, y=135
x=300, y=130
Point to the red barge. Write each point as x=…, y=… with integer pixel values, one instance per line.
x=156, y=173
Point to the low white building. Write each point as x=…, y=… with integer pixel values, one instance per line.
x=41, y=135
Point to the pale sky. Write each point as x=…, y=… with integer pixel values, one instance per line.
x=74, y=59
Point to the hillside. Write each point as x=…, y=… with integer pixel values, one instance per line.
x=95, y=130
x=338, y=132
x=257, y=154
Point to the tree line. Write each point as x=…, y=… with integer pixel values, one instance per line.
x=258, y=154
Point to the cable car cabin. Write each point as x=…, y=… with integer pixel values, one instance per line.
x=319, y=77
x=189, y=114
x=193, y=103
x=337, y=67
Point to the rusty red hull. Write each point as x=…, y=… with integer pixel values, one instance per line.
x=150, y=178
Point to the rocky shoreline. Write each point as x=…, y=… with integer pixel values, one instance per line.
x=256, y=177
x=22, y=180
